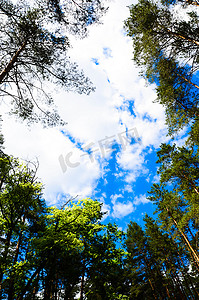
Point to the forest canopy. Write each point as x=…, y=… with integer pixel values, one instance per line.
x=164, y=255
x=69, y=251
x=35, y=38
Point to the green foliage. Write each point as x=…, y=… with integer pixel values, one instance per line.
x=51, y=251
x=33, y=51
x=163, y=257
x=22, y=212
x=158, y=267
x=166, y=47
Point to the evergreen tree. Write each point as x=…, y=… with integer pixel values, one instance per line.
x=145, y=274
x=34, y=42
x=166, y=47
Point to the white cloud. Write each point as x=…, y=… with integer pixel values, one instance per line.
x=115, y=197
x=122, y=209
x=156, y=178
x=95, y=117
x=47, y=145
x=141, y=199
x=128, y=188
x=132, y=160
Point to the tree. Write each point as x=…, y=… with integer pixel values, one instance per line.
x=157, y=266
x=78, y=235
x=21, y=218
x=179, y=166
x=34, y=42
x=176, y=216
x=104, y=265
x=51, y=252
x=167, y=248
x=179, y=171
x=184, y=2
x=167, y=49
x=145, y=274
x=174, y=264
x=65, y=236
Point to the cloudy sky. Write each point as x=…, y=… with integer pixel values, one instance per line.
x=107, y=149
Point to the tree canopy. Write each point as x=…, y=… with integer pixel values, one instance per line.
x=69, y=252
x=165, y=45
x=54, y=252
x=163, y=258
x=33, y=51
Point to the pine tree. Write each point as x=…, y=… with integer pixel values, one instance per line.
x=34, y=42
x=166, y=47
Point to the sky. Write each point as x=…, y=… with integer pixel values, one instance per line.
x=107, y=150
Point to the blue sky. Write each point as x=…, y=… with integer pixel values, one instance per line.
x=107, y=151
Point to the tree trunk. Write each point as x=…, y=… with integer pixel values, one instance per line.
x=4, y=257
x=183, y=37
x=190, y=82
x=190, y=248
x=11, y=63
x=82, y=281
x=187, y=274
x=192, y=2
x=148, y=268
x=191, y=182
x=37, y=271
x=11, y=282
